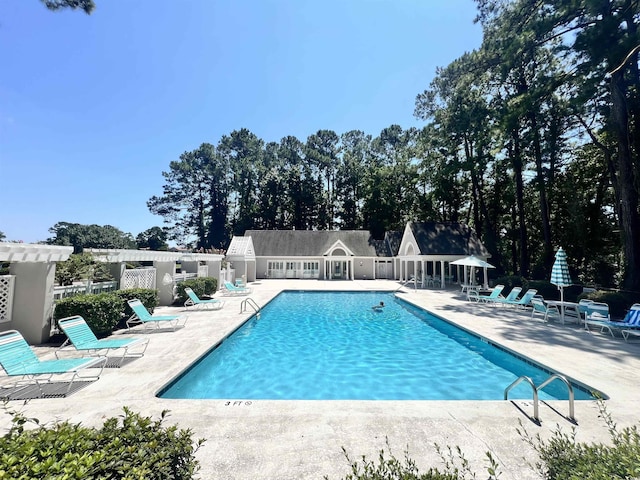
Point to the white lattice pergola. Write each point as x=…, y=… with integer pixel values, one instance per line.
x=164, y=263
x=26, y=294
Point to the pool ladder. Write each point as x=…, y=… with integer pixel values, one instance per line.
x=251, y=303
x=535, y=389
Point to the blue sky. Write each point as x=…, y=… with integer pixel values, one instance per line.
x=93, y=108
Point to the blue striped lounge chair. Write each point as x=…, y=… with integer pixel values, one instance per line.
x=634, y=331
x=630, y=323
x=80, y=338
x=18, y=360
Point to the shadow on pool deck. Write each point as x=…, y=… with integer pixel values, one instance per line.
x=261, y=439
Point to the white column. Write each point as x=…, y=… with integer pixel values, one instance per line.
x=165, y=292
x=32, y=300
x=214, y=270
x=442, y=274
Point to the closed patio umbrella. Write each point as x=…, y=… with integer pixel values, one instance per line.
x=560, y=276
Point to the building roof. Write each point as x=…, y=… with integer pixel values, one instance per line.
x=312, y=243
x=393, y=239
x=440, y=238
x=241, y=247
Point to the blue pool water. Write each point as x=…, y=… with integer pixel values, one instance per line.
x=333, y=345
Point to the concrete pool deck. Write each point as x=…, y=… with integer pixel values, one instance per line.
x=264, y=439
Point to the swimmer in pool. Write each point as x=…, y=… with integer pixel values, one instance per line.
x=378, y=308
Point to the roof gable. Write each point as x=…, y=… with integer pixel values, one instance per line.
x=241, y=247
x=311, y=243
x=443, y=238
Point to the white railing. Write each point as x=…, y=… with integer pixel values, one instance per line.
x=181, y=277
x=82, y=288
x=138, y=278
x=102, y=287
x=7, y=283
x=69, y=291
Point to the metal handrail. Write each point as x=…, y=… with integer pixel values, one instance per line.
x=557, y=376
x=535, y=393
x=551, y=378
x=251, y=303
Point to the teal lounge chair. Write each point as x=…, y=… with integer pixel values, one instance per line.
x=495, y=293
x=541, y=308
x=142, y=316
x=195, y=301
x=81, y=338
x=525, y=300
x=18, y=360
x=231, y=289
x=512, y=297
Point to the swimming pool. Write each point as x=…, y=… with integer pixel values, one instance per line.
x=309, y=345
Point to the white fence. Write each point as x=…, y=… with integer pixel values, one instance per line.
x=78, y=289
x=7, y=283
x=138, y=278
x=181, y=277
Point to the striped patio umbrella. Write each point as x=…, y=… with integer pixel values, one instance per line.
x=560, y=276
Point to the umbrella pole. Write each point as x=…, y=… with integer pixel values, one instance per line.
x=562, y=303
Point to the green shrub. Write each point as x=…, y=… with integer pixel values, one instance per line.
x=547, y=289
x=562, y=458
x=388, y=467
x=129, y=447
x=148, y=297
x=510, y=281
x=101, y=311
x=201, y=286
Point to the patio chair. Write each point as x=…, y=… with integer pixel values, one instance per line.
x=512, y=297
x=597, y=315
x=524, y=301
x=195, y=301
x=81, y=338
x=582, y=306
x=19, y=360
x=495, y=293
x=541, y=308
x=630, y=325
x=231, y=289
x=142, y=316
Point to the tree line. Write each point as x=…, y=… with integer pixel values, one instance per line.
x=532, y=139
